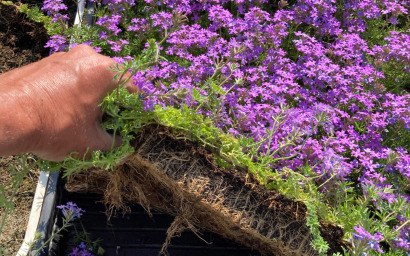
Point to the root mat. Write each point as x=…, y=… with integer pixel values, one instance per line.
x=178, y=177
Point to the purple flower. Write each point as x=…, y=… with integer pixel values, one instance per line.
x=71, y=210
x=402, y=241
x=111, y=23
x=57, y=43
x=117, y=46
x=80, y=252
x=162, y=20
x=53, y=7
x=119, y=60
x=103, y=35
x=319, y=14
x=138, y=25
x=372, y=240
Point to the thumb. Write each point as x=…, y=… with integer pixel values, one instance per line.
x=103, y=140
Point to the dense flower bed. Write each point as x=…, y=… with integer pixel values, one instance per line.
x=315, y=90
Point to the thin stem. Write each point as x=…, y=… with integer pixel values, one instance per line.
x=403, y=225
x=66, y=224
x=331, y=177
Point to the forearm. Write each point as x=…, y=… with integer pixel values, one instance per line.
x=19, y=123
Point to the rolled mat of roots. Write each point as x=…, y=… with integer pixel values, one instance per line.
x=180, y=178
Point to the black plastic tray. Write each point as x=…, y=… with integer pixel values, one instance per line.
x=136, y=233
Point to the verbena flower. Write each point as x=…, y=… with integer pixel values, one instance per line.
x=371, y=240
x=53, y=8
x=57, y=43
x=71, y=210
x=80, y=252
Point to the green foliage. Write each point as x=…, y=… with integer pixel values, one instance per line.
x=312, y=221
x=397, y=79
x=302, y=188
x=373, y=33
x=288, y=45
x=202, y=130
x=36, y=15
x=99, y=159
x=7, y=3
x=18, y=170
x=81, y=237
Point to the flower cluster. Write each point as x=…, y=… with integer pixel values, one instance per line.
x=81, y=250
x=372, y=241
x=57, y=43
x=53, y=8
x=314, y=83
x=71, y=210
x=85, y=247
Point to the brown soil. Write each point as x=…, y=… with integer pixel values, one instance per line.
x=21, y=42
x=180, y=178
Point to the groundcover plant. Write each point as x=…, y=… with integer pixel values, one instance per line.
x=311, y=97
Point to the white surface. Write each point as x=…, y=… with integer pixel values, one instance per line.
x=34, y=214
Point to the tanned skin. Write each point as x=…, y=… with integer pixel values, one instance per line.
x=50, y=107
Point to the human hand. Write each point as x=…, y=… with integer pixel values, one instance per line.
x=55, y=102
